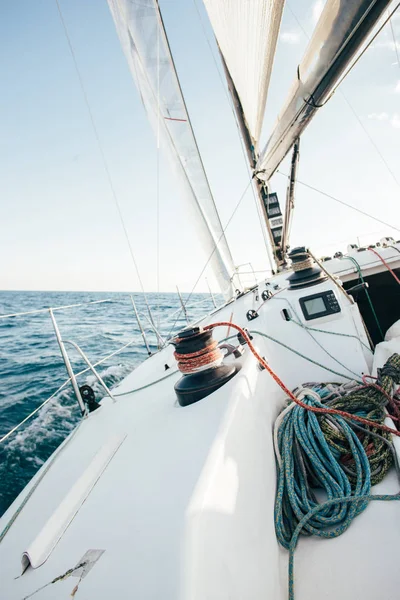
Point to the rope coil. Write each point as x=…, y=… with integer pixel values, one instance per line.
x=334, y=454
x=304, y=264
x=307, y=458
x=196, y=350
x=344, y=467
x=194, y=362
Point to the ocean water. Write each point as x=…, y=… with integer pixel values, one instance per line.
x=31, y=367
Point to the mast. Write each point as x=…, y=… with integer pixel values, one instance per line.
x=290, y=197
x=252, y=156
x=246, y=32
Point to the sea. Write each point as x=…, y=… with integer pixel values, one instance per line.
x=32, y=369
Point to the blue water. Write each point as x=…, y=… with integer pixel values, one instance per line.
x=31, y=368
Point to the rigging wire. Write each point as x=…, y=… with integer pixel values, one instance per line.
x=363, y=212
x=370, y=138
x=100, y=147
x=210, y=256
x=229, y=99
x=343, y=94
x=396, y=50
x=158, y=182
x=378, y=31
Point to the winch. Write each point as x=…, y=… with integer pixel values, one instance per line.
x=306, y=272
x=201, y=363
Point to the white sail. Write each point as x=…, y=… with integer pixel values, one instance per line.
x=247, y=32
x=342, y=32
x=140, y=29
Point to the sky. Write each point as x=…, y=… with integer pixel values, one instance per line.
x=59, y=227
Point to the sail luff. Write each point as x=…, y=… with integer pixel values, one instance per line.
x=143, y=38
x=342, y=30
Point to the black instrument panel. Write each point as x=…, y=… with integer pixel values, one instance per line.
x=319, y=305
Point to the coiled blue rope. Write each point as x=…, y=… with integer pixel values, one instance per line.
x=306, y=457
x=308, y=462
x=321, y=507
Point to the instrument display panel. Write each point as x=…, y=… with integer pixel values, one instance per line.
x=319, y=305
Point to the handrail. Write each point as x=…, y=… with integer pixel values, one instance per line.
x=68, y=365
x=160, y=339
x=143, y=334
x=90, y=366
x=66, y=382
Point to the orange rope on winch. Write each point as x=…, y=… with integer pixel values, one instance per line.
x=385, y=263
x=193, y=361
x=327, y=411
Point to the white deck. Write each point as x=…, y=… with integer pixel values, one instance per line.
x=184, y=506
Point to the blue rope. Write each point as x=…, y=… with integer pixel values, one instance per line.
x=300, y=431
x=306, y=459
x=367, y=498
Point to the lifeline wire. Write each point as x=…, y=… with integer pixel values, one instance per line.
x=42, y=310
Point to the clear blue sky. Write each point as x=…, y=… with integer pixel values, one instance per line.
x=59, y=228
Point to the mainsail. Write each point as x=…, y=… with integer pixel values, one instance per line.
x=247, y=33
x=142, y=36
x=341, y=31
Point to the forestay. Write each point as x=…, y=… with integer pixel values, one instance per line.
x=247, y=33
x=343, y=30
x=142, y=36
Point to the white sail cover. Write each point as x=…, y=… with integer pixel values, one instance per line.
x=247, y=32
x=142, y=36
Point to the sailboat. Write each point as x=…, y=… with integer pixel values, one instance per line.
x=256, y=454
